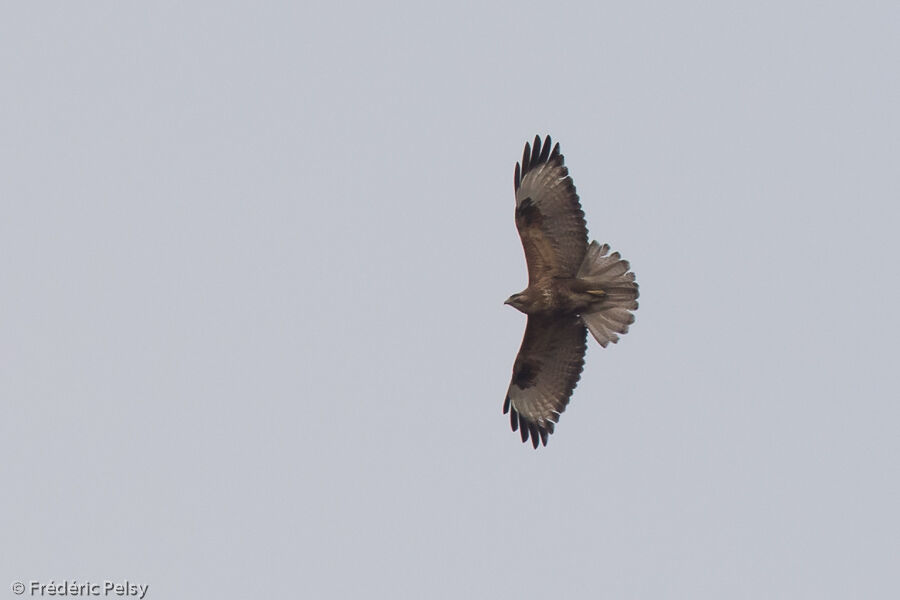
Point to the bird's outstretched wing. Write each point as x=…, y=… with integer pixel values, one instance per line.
x=545, y=373
x=548, y=215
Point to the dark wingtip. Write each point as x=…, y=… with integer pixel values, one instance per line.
x=517, y=179
x=555, y=153
x=545, y=151
x=526, y=159
x=537, y=153
x=538, y=434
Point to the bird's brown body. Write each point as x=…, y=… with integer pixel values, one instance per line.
x=557, y=296
x=573, y=287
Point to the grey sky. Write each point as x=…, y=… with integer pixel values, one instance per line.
x=252, y=339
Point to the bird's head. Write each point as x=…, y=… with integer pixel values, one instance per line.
x=517, y=301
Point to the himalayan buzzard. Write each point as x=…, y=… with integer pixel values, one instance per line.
x=573, y=287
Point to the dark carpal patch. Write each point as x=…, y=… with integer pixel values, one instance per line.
x=528, y=214
x=525, y=373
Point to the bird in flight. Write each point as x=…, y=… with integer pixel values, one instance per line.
x=573, y=287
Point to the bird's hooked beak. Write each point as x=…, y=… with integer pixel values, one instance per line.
x=511, y=300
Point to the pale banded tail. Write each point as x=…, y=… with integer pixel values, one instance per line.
x=609, y=273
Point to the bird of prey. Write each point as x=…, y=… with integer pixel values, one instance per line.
x=573, y=287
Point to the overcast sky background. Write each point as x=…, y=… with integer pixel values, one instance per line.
x=252, y=339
